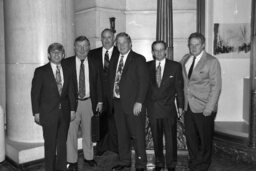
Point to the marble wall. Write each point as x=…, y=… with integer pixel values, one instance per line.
x=235, y=66
x=141, y=25
x=91, y=17
x=139, y=20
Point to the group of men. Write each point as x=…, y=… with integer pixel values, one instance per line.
x=119, y=84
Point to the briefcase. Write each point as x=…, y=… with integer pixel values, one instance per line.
x=95, y=127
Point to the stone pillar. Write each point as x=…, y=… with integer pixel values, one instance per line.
x=2, y=58
x=30, y=26
x=2, y=139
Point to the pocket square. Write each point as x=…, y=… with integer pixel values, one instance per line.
x=170, y=76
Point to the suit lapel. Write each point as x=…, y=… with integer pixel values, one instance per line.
x=153, y=73
x=51, y=76
x=166, y=71
x=100, y=52
x=90, y=68
x=184, y=61
x=127, y=62
x=200, y=63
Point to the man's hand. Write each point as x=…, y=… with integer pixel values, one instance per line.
x=37, y=118
x=137, y=108
x=99, y=107
x=72, y=115
x=207, y=112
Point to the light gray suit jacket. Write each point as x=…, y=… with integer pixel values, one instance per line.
x=203, y=89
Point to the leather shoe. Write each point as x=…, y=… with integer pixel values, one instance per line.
x=72, y=167
x=157, y=168
x=140, y=169
x=120, y=167
x=171, y=168
x=91, y=163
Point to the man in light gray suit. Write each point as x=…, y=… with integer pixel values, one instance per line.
x=202, y=87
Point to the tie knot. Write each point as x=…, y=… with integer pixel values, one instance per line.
x=159, y=64
x=58, y=67
x=82, y=61
x=107, y=52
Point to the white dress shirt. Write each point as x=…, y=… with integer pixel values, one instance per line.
x=54, y=68
x=190, y=61
x=124, y=60
x=86, y=74
x=110, y=51
x=162, y=64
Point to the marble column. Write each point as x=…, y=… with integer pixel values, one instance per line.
x=30, y=26
x=2, y=138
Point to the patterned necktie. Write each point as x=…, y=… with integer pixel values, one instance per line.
x=191, y=67
x=118, y=77
x=81, y=92
x=58, y=79
x=158, y=75
x=106, y=61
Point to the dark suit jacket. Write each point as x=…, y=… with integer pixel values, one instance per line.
x=45, y=96
x=96, y=54
x=94, y=79
x=134, y=81
x=161, y=100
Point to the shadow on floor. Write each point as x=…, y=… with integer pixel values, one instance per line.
x=105, y=163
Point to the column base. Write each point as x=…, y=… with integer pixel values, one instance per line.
x=21, y=154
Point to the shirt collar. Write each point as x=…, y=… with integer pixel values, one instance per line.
x=125, y=55
x=53, y=65
x=162, y=62
x=198, y=57
x=79, y=60
x=109, y=50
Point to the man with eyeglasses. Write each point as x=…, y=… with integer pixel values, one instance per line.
x=54, y=104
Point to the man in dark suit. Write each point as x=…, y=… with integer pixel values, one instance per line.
x=128, y=87
x=54, y=104
x=104, y=56
x=87, y=82
x=202, y=82
x=166, y=86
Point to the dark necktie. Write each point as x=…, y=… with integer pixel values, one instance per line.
x=118, y=77
x=58, y=79
x=81, y=92
x=158, y=75
x=191, y=67
x=106, y=61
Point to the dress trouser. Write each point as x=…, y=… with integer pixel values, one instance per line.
x=55, y=137
x=108, y=132
x=168, y=128
x=130, y=127
x=83, y=119
x=199, y=134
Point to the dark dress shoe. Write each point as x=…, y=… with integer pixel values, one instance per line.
x=157, y=168
x=91, y=163
x=121, y=167
x=140, y=169
x=72, y=167
x=171, y=168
